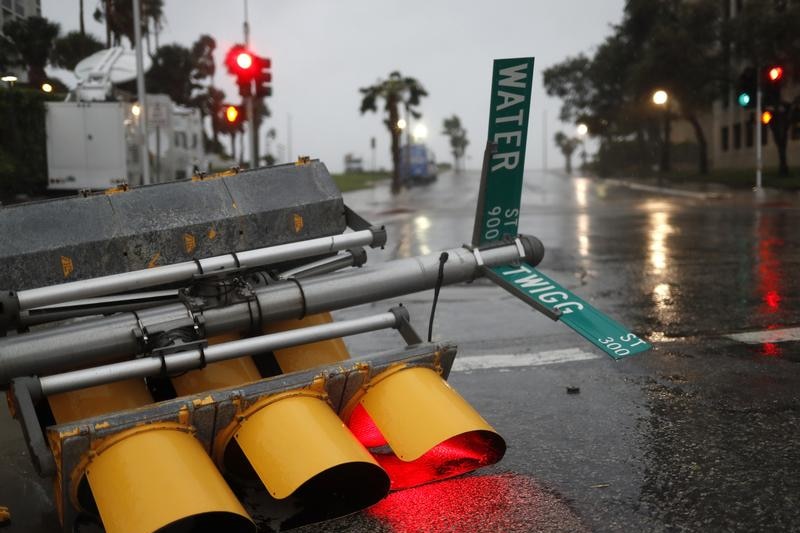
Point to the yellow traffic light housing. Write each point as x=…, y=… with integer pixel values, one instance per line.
x=152, y=477
x=294, y=442
x=432, y=433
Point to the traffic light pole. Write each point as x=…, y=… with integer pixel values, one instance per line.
x=759, y=127
x=251, y=126
x=144, y=156
x=251, y=119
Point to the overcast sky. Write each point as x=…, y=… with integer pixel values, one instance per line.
x=323, y=51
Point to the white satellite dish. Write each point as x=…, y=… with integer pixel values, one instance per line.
x=116, y=64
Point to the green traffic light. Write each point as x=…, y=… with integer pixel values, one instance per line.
x=744, y=99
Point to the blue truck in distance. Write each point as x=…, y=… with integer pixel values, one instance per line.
x=417, y=164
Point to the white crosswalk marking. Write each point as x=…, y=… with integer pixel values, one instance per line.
x=770, y=335
x=551, y=357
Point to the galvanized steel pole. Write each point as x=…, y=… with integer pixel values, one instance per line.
x=94, y=341
x=193, y=359
x=144, y=155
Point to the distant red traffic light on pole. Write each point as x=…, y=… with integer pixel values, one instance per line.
x=244, y=60
x=240, y=62
x=775, y=73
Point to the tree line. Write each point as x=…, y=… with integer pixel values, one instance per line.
x=694, y=50
x=185, y=74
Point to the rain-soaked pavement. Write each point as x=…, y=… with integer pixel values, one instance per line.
x=700, y=434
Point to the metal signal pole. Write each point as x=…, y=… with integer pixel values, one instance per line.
x=759, y=126
x=250, y=101
x=144, y=156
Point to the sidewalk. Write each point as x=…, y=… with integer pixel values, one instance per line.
x=700, y=190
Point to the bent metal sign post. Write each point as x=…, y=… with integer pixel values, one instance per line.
x=497, y=216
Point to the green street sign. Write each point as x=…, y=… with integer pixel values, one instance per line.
x=504, y=161
x=547, y=296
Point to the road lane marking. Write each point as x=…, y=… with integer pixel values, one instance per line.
x=770, y=335
x=551, y=357
x=669, y=192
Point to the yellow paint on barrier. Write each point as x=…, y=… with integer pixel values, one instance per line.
x=298, y=223
x=66, y=266
x=189, y=243
x=154, y=260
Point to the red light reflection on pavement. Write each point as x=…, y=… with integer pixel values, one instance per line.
x=506, y=503
x=770, y=349
x=769, y=268
x=769, y=277
x=455, y=456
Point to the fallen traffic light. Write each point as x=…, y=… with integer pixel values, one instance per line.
x=420, y=429
x=313, y=467
x=145, y=478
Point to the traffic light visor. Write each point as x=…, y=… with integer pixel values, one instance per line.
x=432, y=433
x=159, y=478
x=303, y=454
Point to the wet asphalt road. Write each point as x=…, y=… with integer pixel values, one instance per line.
x=701, y=434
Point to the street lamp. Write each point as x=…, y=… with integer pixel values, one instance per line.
x=401, y=124
x=420, y=132
x=582, y=130
x=10, y=79
x=46, y=87
x=661, y=99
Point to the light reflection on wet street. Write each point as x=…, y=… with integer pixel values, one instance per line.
x=702, y=433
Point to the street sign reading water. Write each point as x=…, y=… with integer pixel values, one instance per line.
x=497, y=216
x=501, y=182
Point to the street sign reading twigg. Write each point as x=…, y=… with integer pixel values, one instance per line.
x=531, y=286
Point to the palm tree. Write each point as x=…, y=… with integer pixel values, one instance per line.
x=32, y=40
x=394, y=91
x=568, y=145
x=118, y=16
x=458, y=138
x=70, y=49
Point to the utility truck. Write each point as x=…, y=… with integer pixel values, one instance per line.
x=93, y=137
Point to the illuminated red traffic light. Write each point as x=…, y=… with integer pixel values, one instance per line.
x=775, y=74
x=766, y=117
x=244, y=60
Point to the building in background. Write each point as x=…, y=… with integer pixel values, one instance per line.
x=732, y=134
x=18, y=9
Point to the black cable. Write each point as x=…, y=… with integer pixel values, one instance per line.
x=442, y=260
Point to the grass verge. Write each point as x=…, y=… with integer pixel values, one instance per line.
x=352, y=181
